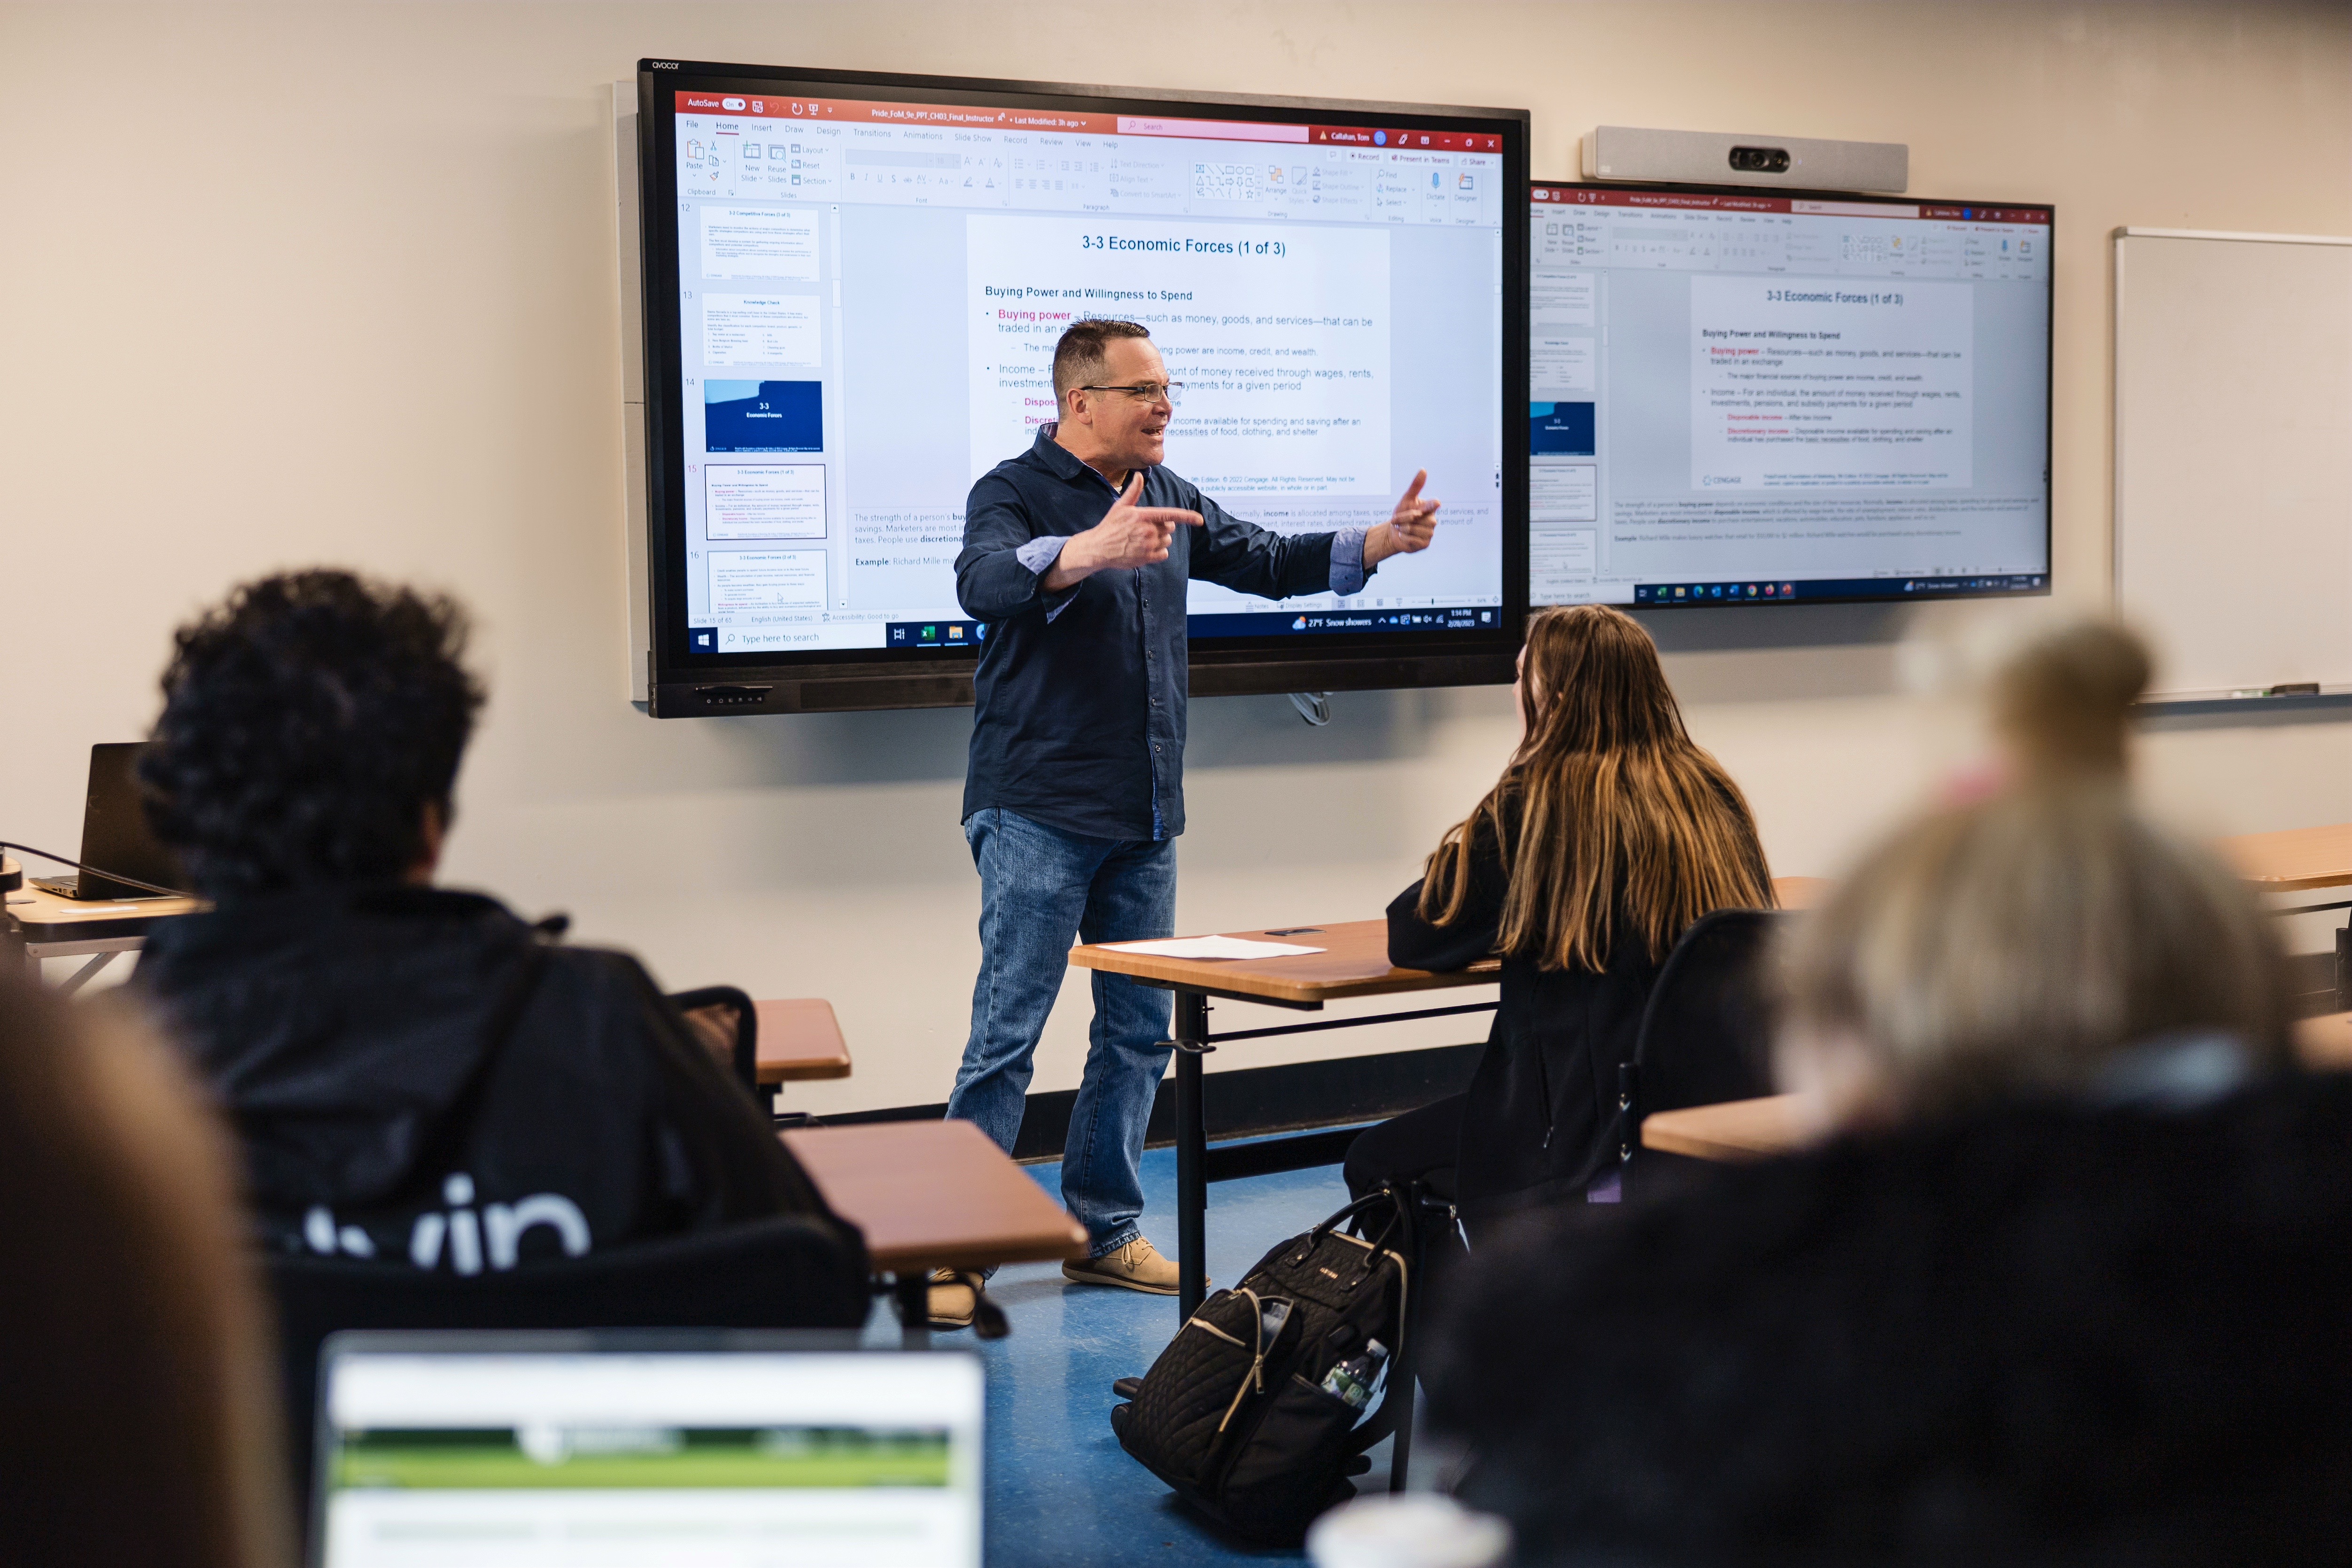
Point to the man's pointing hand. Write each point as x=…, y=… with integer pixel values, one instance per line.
x=1128, y=535
x=1409, y=528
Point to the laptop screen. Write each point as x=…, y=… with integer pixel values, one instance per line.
x=115, y=836
x=598, y=1457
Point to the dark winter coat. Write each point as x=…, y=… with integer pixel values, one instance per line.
x=2042, y=1333
x=418, y=1076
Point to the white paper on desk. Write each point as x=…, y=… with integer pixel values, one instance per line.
x=1213, y=947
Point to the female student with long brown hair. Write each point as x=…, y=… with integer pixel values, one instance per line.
x=1610, y=832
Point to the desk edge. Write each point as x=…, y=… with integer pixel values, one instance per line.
x=804, y=1072
x=1243, y=987
x=1671, y=1140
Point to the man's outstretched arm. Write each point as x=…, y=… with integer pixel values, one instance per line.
x=1252, y=560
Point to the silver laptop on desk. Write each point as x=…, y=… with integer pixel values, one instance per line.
x=612, y=1450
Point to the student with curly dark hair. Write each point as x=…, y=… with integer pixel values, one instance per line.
x=310, y=734
x=416, y=1076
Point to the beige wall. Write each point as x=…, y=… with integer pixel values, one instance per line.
x=317, y=283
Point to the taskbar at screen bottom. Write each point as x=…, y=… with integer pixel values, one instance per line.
x=1285, y=623
x=1821, y=588
x=959, y=635
x=952, y=634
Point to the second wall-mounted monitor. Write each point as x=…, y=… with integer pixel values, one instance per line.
x=1750, y=399
x=852, y=287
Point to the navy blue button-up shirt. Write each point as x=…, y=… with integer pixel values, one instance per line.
x=1080, y=694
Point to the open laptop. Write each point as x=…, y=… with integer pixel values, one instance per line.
x=615, y=1449
x=114, y=833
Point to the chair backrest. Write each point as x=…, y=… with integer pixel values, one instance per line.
x=1705, y=1033
x=797, y=1271
x=727, y=1022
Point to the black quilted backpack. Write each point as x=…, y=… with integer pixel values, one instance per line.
x=1234, y=1414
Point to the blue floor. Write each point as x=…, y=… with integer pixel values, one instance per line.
x=1060, y=1489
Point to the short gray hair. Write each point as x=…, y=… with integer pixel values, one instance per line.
x=1079, y=357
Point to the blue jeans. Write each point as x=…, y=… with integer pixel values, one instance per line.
x=1039, y=887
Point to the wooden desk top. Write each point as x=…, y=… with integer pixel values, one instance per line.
x=2297, y=858
x=1800, y=893
x=2282, y=862
x=1356, y=964
x=934, y=1195
x=46, y=916
x=2325, y=1042
x=1754, y=1129
x=1735, y=1130
x=801, y=1039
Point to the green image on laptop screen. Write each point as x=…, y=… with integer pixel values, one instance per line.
x=453, y=1458
x=678, y=1458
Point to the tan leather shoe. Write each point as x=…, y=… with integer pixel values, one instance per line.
x=1138, y=1266
x=953, y=1302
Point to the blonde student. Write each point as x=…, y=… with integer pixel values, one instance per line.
x=2063, y=1282
x=2046, y=939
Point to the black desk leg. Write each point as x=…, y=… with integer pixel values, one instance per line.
x=1401, y=1454
x=1192, y=1154
x=912, y=1291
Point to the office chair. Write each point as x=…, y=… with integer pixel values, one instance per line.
x=794, y=1271
x=1705, y=1032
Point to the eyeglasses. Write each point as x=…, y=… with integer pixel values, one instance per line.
x=1169, y=393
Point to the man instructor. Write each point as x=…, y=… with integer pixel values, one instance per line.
x=1075, y=555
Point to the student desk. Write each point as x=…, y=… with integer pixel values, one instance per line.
x=2297, y=861
x=1800, y=893
x=800, y=1040
x=47, y=926
x=1734, y=1130
x=2324, y=1043
x=1758, y=1129
x=2294, y=860
x=932, y=1194
x=1355, y=963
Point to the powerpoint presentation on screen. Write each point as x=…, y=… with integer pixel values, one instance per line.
x=1764, y=397
x=868, y=317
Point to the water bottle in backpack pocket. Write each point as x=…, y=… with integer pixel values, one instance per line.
x=1357, y=1379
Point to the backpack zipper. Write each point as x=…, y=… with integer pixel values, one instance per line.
x=1257, y=1378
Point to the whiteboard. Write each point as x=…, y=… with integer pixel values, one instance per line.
x=2234, y=456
